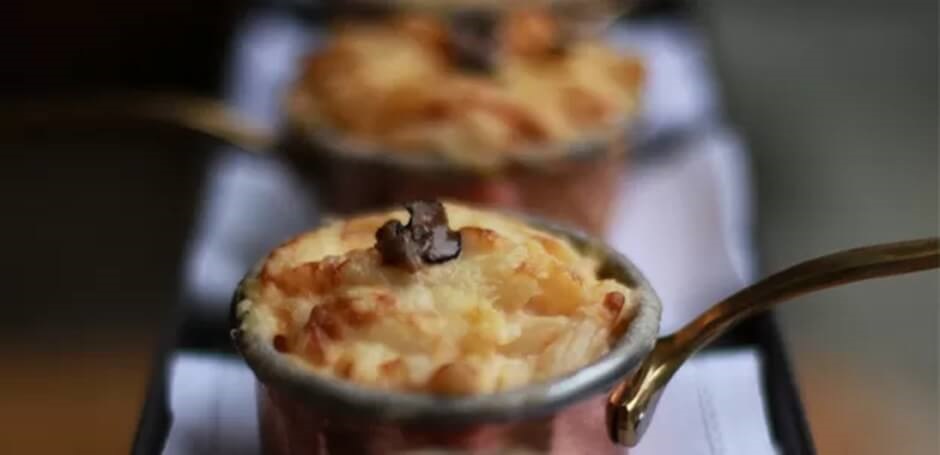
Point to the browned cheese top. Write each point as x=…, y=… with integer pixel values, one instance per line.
x=515, y=305
x=398, y=85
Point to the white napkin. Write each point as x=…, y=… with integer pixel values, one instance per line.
x=685, y=223
x=212, y=401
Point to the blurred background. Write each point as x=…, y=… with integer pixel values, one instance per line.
x=836, y=101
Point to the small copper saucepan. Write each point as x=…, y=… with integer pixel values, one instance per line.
x=596, y=409
x=572, y=180
x=576, y=186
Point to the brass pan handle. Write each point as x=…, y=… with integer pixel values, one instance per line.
x=208, y=117
x=630, y=406
x=195, y=114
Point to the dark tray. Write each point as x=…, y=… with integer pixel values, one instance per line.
x=194, y=331
x=788, y=422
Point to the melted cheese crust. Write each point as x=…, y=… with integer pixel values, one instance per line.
x=517, y=306
x=393, y=85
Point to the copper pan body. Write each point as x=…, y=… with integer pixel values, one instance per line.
x=304, y=413
x=577, y=189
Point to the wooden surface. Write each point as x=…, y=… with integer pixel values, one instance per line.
x=62, y=400
x=92, y=239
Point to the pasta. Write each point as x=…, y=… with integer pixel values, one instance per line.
x=517, y=306
x=394, y=84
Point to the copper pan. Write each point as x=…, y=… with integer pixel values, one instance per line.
x=597, y=409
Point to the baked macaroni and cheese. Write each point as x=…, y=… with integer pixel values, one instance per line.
x=441, y=298
x=414, y=85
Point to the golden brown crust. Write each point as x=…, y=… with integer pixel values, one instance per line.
x=394, y=84
x=517, y=306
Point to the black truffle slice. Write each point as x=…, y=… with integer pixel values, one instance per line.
x=474, y=40
x=426, y=239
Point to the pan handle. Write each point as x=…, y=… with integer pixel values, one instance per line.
x=631, y=404
x=195, y=114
